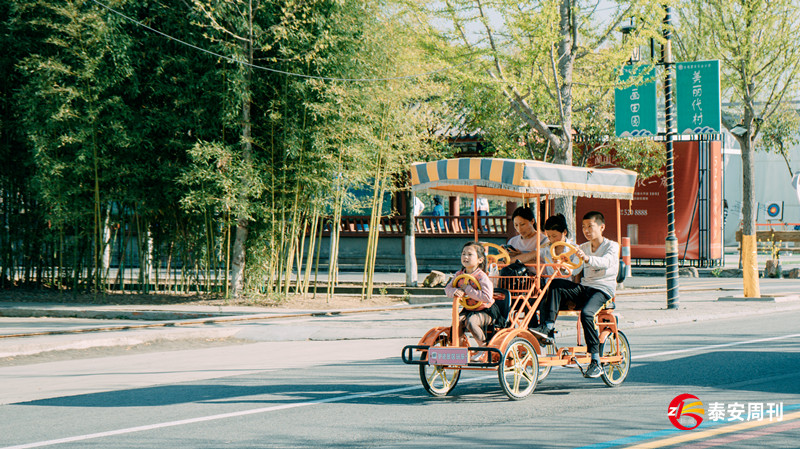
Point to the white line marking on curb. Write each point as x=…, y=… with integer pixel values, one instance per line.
x=331, y=400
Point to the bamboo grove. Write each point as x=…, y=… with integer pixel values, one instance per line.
x=155, y=146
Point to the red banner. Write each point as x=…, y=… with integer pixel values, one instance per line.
x=644, y=219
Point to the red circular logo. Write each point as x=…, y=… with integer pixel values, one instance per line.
x=685, y=406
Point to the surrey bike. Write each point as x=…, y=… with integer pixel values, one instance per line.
x=520, y=357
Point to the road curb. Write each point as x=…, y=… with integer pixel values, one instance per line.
x=763, y=298
x=146, y=315
x=28, y=347
x=222, y=319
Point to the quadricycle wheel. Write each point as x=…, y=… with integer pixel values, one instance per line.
x=519, y=369
x=615, y=373
x=548, y=349
x=438, y=380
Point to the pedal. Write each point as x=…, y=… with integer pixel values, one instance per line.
x=580, y=367
x=544, y=338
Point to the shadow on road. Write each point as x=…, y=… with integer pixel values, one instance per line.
x=770, y=372
x=289, y=386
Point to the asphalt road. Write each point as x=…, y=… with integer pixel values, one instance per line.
x=359, y=394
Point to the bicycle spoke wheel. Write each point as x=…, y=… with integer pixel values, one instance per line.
x=437, y=380
x=615, y=373
x=548, y=349
x=519, y=369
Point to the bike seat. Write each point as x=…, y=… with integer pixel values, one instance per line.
x=570, y=309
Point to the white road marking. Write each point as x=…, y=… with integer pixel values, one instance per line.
x=334, y=399
x=208, y=418
x=723, y=345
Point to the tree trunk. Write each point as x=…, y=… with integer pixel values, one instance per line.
x=242, y=224
x=566, y=64
x=107, y=244
x=410, y=244
x=150, y=260
x=749, y=243
x=238, y=259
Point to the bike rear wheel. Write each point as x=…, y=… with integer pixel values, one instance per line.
x=615, y=373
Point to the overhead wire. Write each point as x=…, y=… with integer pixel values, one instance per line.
x=269, y=69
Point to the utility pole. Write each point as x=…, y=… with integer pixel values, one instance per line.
x=673, y=296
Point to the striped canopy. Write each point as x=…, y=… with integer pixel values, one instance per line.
x=514, y=179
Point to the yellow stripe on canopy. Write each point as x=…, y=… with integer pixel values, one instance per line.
x=433, y=173
x=496, y=170
x=414, y=178
x=474, y=168
x=452, y=169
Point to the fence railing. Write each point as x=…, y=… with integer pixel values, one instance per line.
x=426, y=225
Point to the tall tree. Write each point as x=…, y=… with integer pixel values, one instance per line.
x=237, y=25
x=16, y=166
x=545, y=57
x=322, y=112
x=760, y=63
x=74, y=113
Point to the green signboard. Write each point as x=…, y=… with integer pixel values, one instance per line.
x=698, y=105
x=635, y=106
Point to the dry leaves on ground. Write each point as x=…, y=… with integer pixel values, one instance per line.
x=320, y=302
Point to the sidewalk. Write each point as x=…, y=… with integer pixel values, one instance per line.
x=31, y=328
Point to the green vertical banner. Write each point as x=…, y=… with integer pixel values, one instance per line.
x=635, y=106
x=697, y=92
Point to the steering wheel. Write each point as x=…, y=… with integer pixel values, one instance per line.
x=571, y=249
x=501, y=256
x=474, y=283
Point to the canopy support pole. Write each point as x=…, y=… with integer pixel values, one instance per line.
x=546, y=206
x=619, y=224
x=538, y=241
x=475, y=223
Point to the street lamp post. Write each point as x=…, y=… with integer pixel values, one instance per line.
x=672, y=240
x=671, y=244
